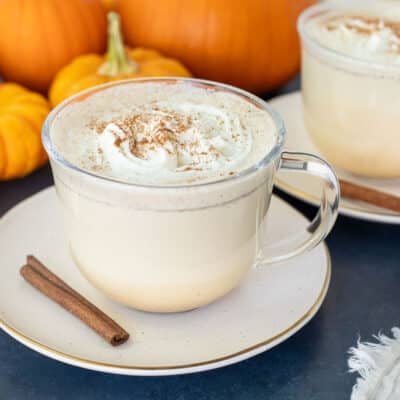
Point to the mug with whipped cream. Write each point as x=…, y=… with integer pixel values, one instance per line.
x=165, y=185
x=351, y=83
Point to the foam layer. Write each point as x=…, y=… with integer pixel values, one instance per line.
x=154, y=133
x=370, y=33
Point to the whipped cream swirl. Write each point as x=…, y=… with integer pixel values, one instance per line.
x=171, y=139
x=150, y=133
x=371, y=38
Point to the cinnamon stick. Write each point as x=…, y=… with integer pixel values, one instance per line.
x=362, y=193
x=56, y=289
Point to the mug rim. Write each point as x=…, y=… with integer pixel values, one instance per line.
x=271, y=155
x=316, y=11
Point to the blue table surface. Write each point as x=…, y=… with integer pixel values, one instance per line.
x=362, y=300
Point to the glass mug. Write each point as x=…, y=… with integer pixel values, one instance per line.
x=351, y=106
x=176, y=248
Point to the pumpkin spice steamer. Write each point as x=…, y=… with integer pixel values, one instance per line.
x=165, y=184
x=352, y=50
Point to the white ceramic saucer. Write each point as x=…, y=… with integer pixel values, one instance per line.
x=272, y=304
x=307, y=188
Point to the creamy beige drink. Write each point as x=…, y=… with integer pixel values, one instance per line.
x=351, y=84
x=152, y=235
x=165, y=184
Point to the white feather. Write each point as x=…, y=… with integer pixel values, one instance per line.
x=378, y=365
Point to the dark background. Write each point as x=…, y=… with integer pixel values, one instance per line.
x=362, y=300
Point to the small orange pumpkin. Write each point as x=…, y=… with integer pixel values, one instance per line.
x=252, y=44
x=119, y=63
x=38, y=37
x=22, y=113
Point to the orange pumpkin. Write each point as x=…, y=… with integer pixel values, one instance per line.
x=252, y=44
x=119, y=63
x=109, y=4
x=38, y=37
x=22, y=113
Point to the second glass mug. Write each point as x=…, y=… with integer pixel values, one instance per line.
x=176, y=248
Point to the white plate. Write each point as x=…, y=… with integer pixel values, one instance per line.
x=272, y=304
x=307, y=188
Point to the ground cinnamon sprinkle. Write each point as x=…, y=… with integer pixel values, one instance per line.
x=97, y=125
x=189, y=168
x=117, y=141
x=373, y=24
x=151, y=129
x=370, y=26
x=166, y=125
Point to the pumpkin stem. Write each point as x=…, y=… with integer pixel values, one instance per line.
x=117, y=61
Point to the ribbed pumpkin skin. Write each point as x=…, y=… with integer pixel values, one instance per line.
x=38, y=37
x=82, y=73
x=110, y=4
x=22, y=114
x=252, y=44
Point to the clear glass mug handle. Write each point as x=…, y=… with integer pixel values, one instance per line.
x=322, y=224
